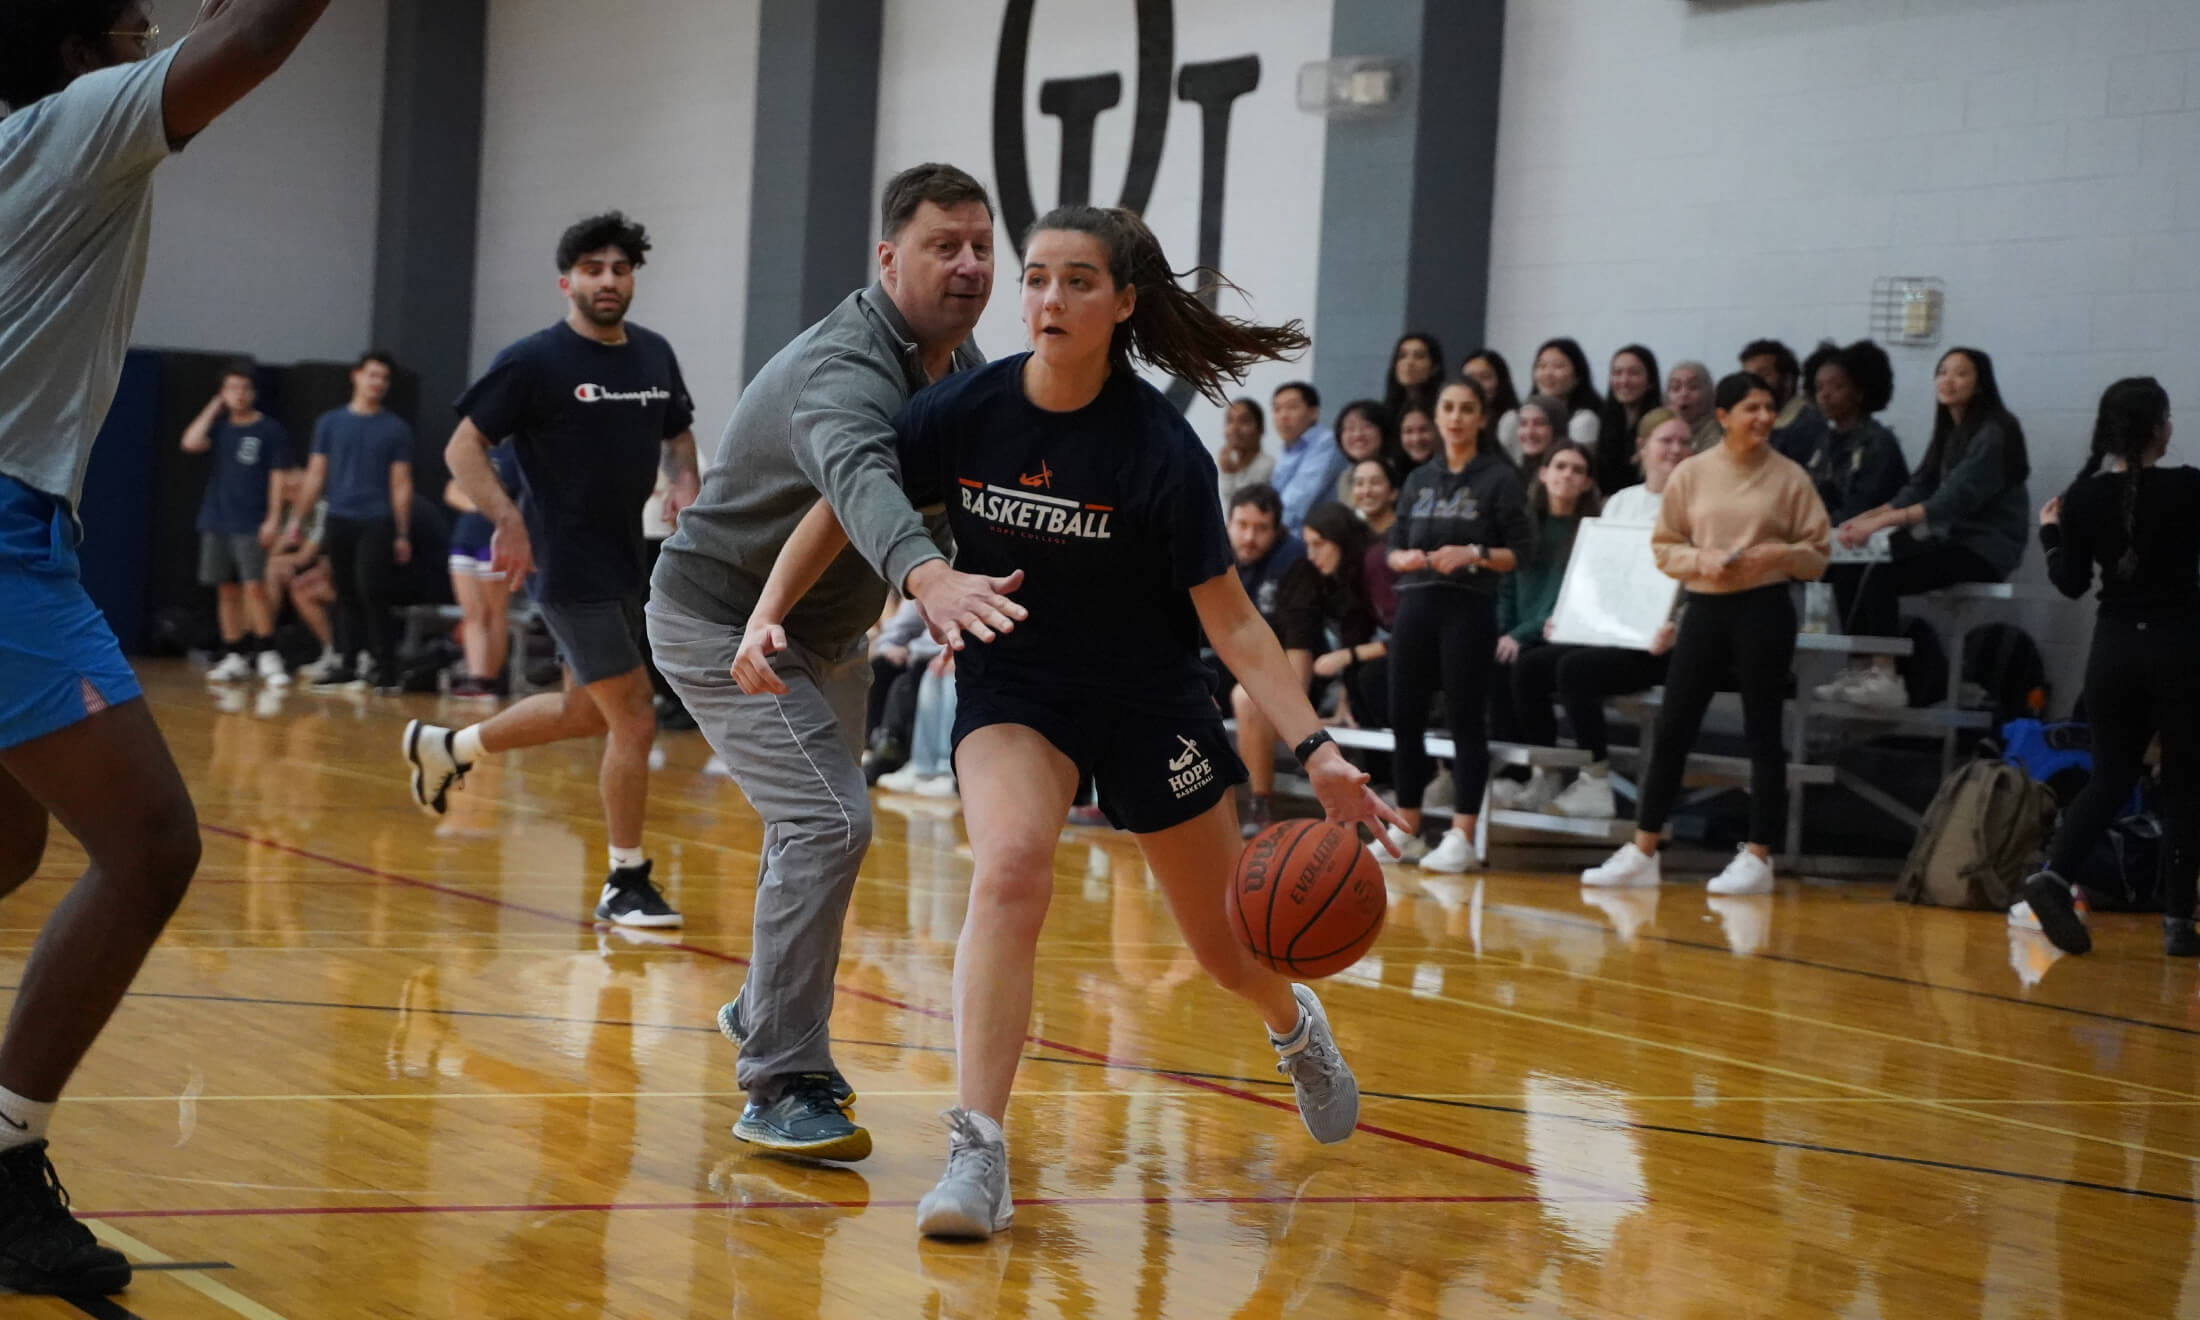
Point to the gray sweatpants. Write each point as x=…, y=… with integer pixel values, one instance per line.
x=797, y=760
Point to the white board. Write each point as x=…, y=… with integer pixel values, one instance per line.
x=1613, y=593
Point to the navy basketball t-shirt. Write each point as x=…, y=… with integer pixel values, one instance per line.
x=1110, y=511
x=588, y=421
x=235, y=503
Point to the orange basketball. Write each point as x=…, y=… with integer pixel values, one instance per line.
x=1307, y=898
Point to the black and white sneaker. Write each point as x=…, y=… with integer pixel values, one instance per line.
x=2057, y=910
x=338, y=679
x=428, y=749
x=729, y=1026
x=42, y=1247
x=630, y=899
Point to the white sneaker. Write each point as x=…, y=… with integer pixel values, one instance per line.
x=1411, y=847
x=971, y=1200
x=271, y=669
x=937, y=786
x=233, y=668
x=316, y=670
x=1838, y=689
x=1879, y=688
x=432, y=759
x=903, y=780
x=1452, y=854
x=1589, y=797
x=1746, y=874
x=1629, y=868
x=1505, y=793
x=1542, y=789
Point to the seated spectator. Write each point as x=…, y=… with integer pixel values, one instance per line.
x=299, y=572
x=896, y=670
x=1417, y=437
x=931, y=769
x=1633, y=385
x=1488, y=368
x=1307, y=466
x=1964, y=517
x=1267, y=560
x=1332, y=621
x=1416, y=374
x=1538, y=431
x=1242, y=461
x=1562, y=373
x=1583, y=677
x=1857, y=463
x=1363, y=432
x=484, y=597
x=1796, y=426
x=1688, y=394
x=1561, y=495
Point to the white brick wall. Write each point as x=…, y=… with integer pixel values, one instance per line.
x=263, y=231
x=657, y=119
x=1695, y=177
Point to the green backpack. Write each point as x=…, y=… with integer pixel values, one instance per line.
x=1981, y=837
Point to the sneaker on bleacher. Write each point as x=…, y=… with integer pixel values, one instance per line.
x=1505, y=793
x=1879, y=688
x=1539, y=792
x=1589, y=797
x=1838, y=689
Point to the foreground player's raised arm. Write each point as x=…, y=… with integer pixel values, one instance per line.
x=843, y=440
x=235, y=47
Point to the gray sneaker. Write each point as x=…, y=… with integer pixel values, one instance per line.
x=971, y=1200
x=729, y=1026
x=1328, y=1094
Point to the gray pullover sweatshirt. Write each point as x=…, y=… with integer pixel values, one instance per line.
x=817, y=420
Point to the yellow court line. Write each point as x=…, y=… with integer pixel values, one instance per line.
x=1788, y=1073
x=195, y=1281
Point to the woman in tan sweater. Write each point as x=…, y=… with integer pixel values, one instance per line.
x=1738, y=523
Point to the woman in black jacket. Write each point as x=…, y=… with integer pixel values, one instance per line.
x=2134, y=518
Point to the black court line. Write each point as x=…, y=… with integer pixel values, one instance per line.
x=1561, y=918
x=177, y=1265
x=103, y=1308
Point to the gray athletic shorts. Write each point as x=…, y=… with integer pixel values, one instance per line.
x=230, y=557
x=597, y=639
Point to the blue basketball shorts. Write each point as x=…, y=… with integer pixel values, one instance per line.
x=59, y=661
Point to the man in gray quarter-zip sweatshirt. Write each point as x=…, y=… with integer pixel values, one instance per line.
x=818, y=421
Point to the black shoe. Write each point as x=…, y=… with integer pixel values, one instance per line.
x=2179, y=938
x=1258, y=816
x=42, y=1247
x=729, y=1026
x=885, y=758
x=805, y=1121
x=629, y=899
x=2049, y=897
x=337, y=679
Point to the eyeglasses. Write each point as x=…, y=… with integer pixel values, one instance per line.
x=147, y=40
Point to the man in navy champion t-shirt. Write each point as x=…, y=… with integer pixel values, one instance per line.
x=594, y=406
x=238, y=523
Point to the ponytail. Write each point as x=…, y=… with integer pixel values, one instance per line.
x=2131, y=415
x=1171, y=328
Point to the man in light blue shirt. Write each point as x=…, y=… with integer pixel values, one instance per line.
x=95, y=110
x=1307, y=469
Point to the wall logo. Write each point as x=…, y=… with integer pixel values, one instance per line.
x=1189, y=770
x=598, y=394
x=1213, y=86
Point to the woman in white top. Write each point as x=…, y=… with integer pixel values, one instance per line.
x=1582, y=677
x=1242, y=461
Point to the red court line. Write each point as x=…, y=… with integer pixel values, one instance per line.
x=606, y=1207
x=1197, y=1083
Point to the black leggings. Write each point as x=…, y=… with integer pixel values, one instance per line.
x=1445, y=638
x=1749, y=635
x=1869, y=595
x=2139, y=683
x=1581, y=677
x=362, y=566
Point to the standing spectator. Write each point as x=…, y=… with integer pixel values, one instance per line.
x=1363, y=432
x=362, y=459
x=1963, y=517
x=1584, y=676
x=238, y=524
x=1541, y=426
x=1562, y=372
x=2133, y=517
x=1688, y=393
x=1417, y=435
x=1736, y=526
x=1416, y=374
x=1306, y=471
x=1462, y=525
x=1494, y=375
x=1633, y=383
x=1375, y=500
x=481, y=590
x=1561, y=494
x=1242, y=461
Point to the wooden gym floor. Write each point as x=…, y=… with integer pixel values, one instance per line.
x=382, y=1066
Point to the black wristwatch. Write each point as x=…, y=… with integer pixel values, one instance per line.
x=1314, y=742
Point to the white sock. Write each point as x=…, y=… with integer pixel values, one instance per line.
x=466, y=745
x=626, y=859
x=22, y=1121
x=990, y=1129
x=1296, y=1036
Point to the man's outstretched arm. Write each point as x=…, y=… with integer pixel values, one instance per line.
x=235, y=46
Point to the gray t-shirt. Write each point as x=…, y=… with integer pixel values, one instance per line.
x=76, y=206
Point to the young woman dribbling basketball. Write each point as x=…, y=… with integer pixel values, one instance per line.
x=1064, y=464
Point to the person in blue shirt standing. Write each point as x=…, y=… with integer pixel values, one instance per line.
x=238, y=522
x=362, y=462
x=95, y=110
x=1309, y=463
x=1062, y=466
x=594, y=407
